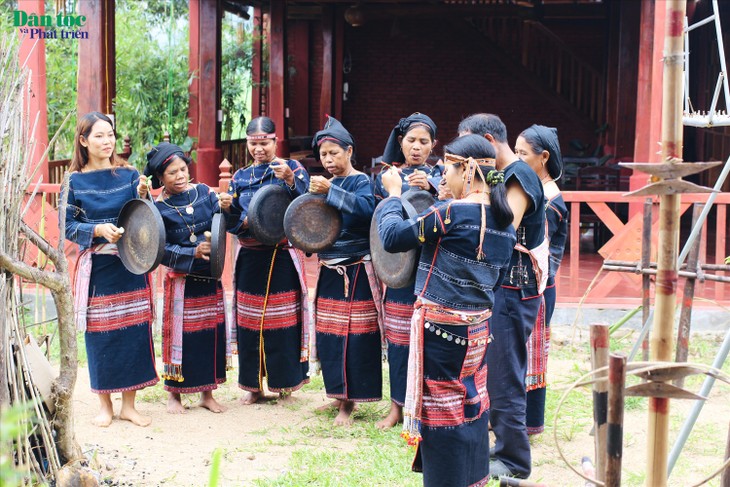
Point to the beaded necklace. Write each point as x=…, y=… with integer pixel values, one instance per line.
x=188, y=209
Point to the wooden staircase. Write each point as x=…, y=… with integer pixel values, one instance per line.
x=545, y=56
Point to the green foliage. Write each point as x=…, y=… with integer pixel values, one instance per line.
x=236, y=62
x=15, y=422
x=152, y=73
x=61, y=59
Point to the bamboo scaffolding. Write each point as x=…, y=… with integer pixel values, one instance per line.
x=666, y=278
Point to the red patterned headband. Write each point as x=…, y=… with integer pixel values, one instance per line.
x=261, y=136
x=326, y=139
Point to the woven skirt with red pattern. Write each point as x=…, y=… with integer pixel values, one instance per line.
x=348, y=338
x=269, y=321
x=398, y=312
x=118, y=334
x=204, y=337
x=454, y=449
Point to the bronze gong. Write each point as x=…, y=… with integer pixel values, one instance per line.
x=142, y=245
x=395, y=269
x=218, y=238
x=311, y=224
x=419, y=198
x=266, y=213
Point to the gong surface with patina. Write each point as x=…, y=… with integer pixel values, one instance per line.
x=311, y=224
x=142, y=245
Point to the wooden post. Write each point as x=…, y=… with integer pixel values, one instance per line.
x=646, y=278
x=614, y=438
x=96, y=64
x=685, y=316
x=666, y=278
x=32, y=54
x=648, y=131
x=599, y=358
x=225, y=176
x=325, y=99
x=277, y=75
x=205, y=90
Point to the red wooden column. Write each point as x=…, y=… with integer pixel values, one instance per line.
x=649, y=92
x=258, y=107
x=277, y=70
x=33, y=55
x=205, y=90
x=298, y=84
x=96, y=74
x=325, y=99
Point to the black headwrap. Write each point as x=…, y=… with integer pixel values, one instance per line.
x=393, y=153
x=158, y=159
x=333, y=129
x=547, y=138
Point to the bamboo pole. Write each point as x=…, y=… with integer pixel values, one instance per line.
x=614, y=438
x=666, y=278
x=599, y=359
x=685, y=315
x=645, y=279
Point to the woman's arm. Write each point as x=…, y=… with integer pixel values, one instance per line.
x=359, y=202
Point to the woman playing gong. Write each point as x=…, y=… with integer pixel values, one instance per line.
x=269, y=278
x=194, y=344
x=347, y=320
x=409, y=146
x=466, y=247
x=113, y=307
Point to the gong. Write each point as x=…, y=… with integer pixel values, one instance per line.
x=217, y=245
x=395, y=269
x=311, y=224
x=420, y=199
x=142, y=245
x=266, y=213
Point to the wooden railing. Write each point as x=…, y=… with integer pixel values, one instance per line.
x=626, y=241
x=236, y=153
x=546, y=56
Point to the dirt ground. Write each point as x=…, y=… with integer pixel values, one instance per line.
x=176, y=449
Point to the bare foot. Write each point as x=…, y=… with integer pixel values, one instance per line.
x=134, y=417
x=106, y=411
x=103, y=419
x=330, y=405
x=344, y=417
x=394, y=417
x=208, y=402
x=174, y=404
x=250, y=398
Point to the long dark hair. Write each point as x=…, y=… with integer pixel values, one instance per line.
x=81, y=154
x=477, y=147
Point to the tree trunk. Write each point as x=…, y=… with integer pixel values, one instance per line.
x=63, y=386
